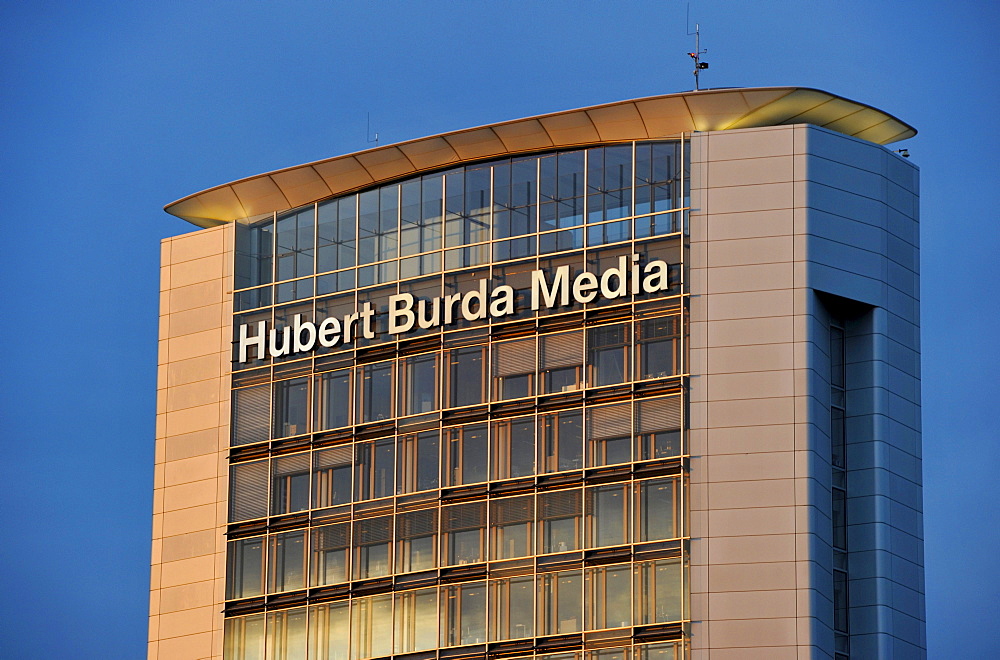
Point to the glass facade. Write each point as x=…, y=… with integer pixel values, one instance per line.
x=511, y=486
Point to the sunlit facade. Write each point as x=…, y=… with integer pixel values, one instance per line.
x=587, y=401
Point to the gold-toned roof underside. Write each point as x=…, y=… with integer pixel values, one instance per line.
x=639, y=119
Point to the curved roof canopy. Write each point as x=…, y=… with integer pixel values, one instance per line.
x=639, y=119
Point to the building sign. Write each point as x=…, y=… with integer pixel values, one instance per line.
x=629, y=277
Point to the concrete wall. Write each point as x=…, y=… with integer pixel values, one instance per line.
x=187, y=577
x=778, y=214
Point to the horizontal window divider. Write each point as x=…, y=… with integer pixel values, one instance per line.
x=459, y=652
x=464, y=573
x=563, y=560
x=333, y=438
x=464, y=493
x=330, y=593
x=661, y=468
x=558, y=642
x=371, y=587
x=515, y=487
x=288, y=599
x=257, y=376
x=601, y=556
x=549, y=402
x=420, y=655
x=673, y=549
x=605, y=475
x=559, y=480
x=290, y=445
x=340, y=513
x=509, y=648
x=285, y=523
x=245, y=529
x=244, y=606
x=659, y=632
x=418, y=501
x=408, y=581
x=456, y=416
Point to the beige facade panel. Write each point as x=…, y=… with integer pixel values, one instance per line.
x=188, y=545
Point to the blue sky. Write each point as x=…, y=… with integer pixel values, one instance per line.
x=110, y=110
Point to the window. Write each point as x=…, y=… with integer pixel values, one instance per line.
x=658, y=347
x=658, y=592
x=607, y=515
x=286, y=561
x=463, y=609
x=371, y=626
x=514, y=603
x=329, y=631
x=372, y=544
x=416, y=540
x=514, y=369
x=559, y=514
x=245, y=568
x=658, y=426
x=513, y=448
x=335, y=238
x=658, y=509
x=608, y=354
x=560, y=602
x=329, y=554
x=419, y=462
x=466, y=454
x=248, y=491
x=290, y=484
x=291, y=407
x=332, y=476
x=251, y=414
x=419, y=390
x=286, y=634
x=244, y=637
x=511, y=527
x=376, y=385
x=462, y=532
x=374, y=468
x=465, y=376
x=416, y=620
x=333, y=400
x=561, y=361
x=609, y=434
x=562, y=441
x=609, y=596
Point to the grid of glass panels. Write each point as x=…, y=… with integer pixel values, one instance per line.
x=508, y=450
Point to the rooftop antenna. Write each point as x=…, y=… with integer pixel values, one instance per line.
x=698, y=52
x=368, y=129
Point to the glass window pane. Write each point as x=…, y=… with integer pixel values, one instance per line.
x=609, y=434
x=290, y=484
x=251, y=414
x=609, y=597
x=291, y=407
x=333, y=400
x=416, y=540
x=371, y=626
x=244, y=638
x=286, y=634
x=372, y=546
x=512, y=527
x=658, y=593
x=607, y=515
x=374, y=468
x=561, y=441
x=245, y=568
x=462, y=531
x=658, y=428
x=248, y=490
x=513, y=448
x=658, y=509
x=329, y=558
x=419, y=384
x=559, y=515
x=329, y=631
x=376, y=385
x=332, y=476
x=286, y=561
x=514, y=603
x=466, y=380
x=416, y=620
x=464, y=610
x=466, y=455
x=560, y=602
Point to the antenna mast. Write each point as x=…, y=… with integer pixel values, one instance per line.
x=698, y=52
x=368, y=129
